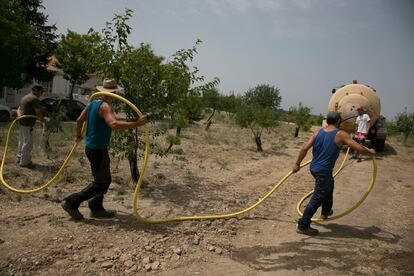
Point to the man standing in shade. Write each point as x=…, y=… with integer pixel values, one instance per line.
x=29, y=105
x=101, y=121
x=326, y=144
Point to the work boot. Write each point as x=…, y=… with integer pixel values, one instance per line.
x=103, y=214
x=73, y=212
x=307, y=231
x=326, y=216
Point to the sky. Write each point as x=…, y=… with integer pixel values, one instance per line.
x=303, y=47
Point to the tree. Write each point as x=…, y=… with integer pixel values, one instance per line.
x=76, y=56
x=301, y=116
x=258, y=111
x=404, y=122
x=182, y=85
x=26, y=42
x=141, y=76
x=263, y=95
x=230, y=103
x=211, y=99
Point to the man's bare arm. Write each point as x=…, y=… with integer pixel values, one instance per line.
x=79, y=123
x=109, y=116
x=345, y=138
x=302, y=153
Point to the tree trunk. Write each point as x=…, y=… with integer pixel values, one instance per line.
x=258, y=141
x=296, y=131
x=44, y=141
x=177, y=134
x=406, y=135
x=71, y=90
x=133, y=167
x=209, y=120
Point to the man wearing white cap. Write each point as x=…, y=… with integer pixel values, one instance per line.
x=101, y=120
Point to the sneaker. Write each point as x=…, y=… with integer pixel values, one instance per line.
x=29, y=165
x=326, y=216
x=307, y=231
x=73, y=212
x=103, y=214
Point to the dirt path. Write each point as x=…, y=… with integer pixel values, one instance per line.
x=213, y=172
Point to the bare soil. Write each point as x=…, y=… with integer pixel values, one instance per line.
x=211, y=172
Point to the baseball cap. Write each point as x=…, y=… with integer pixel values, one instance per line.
x=333, y=117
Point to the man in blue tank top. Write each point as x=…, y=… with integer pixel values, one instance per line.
x=326, y=144
x=101, y=121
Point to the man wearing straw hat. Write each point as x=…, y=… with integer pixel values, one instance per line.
x=101, y=120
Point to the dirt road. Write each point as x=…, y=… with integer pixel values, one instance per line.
x=212, y=172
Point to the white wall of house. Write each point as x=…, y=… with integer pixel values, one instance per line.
x=57, y=87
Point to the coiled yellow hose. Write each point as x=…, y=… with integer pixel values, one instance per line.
x=143, y=168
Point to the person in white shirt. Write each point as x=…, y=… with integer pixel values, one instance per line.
x=363, y=124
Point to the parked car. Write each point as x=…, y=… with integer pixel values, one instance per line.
x=5, y=113
x=72, y=108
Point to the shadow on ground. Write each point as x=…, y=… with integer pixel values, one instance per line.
x=337, y=249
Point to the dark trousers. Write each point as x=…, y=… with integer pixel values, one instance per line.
x=323, y=195
x=95, y=191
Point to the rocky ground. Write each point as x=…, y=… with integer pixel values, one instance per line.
x=211, y=172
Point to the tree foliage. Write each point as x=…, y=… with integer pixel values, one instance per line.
x=26, y=42
x=404, y=123
x=301, y=116
x=76, y=57
x=169, y=89
x=258, y=111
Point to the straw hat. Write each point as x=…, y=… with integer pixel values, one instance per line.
x=109, y=85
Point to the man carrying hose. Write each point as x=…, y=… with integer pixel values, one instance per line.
x=326, y=144
x=101, y=121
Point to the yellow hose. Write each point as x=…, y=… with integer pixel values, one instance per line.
x=143, y=168
x=59, y=172
x=3, y=181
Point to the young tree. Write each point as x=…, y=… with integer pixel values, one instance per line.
x=404, y=123
x=258, y=111
x=141, y=76
x=182, y=85
x=230, y=103
x=76, y=56
x=211, y=99
x=301, y=116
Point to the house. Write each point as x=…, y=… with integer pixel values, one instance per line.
x=57, y=87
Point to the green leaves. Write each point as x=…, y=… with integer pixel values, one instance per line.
x=258, y=110
x=300, y=115
x=264, y=96
x=404, y=122
x=76, y=55
x=26, y=42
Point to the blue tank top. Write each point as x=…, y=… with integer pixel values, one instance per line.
x=98, y=133
x=325, y=152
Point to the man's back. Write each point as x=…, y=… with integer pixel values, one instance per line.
x=28, y=104
x=325, y=152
